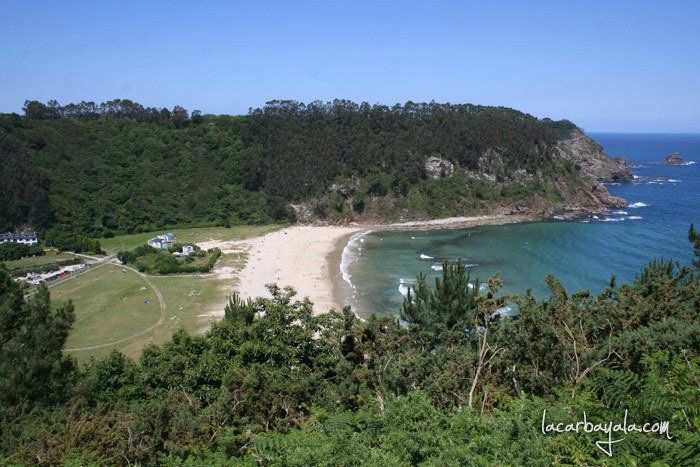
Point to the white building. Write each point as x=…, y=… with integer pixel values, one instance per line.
x=28, y=238
x=186, y=251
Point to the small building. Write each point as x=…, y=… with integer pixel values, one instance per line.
x=26, y=238
x=162, y=241
x=186, y=251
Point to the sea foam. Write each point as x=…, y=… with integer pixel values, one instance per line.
x=404, y=286
x=638, y=204
x=349, y=257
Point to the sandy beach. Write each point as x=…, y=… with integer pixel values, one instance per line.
x=308, y=257
x=304, y=257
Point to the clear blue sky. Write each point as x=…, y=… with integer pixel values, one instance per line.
x=608, y=66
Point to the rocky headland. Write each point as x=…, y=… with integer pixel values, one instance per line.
x=574, y=186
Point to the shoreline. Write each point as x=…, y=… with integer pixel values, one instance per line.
x=308, y=257
x=341, y=289
x=303, y=257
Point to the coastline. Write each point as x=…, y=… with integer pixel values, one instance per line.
x=342, y=291
x=308, y=258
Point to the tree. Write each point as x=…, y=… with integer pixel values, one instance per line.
x=197, y=117
x=32, y=337
x=453, y=313
x=180, y=116
x=694, y=238
x=452, y=302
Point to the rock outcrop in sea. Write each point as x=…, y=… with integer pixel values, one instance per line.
x=673, y=159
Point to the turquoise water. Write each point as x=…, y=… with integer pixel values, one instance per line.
x=582, y=253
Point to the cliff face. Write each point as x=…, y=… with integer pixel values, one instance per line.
x=590, y=159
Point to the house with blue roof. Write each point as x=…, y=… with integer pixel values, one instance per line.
x=162, y=241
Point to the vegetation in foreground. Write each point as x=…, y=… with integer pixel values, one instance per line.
x=457, y=384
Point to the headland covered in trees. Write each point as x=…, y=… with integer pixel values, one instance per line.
x=119, y=167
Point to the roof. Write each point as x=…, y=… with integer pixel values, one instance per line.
x=18, y=236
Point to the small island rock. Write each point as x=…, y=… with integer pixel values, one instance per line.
x=673, y=159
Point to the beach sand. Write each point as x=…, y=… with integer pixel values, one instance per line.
x=308, y=257
x=304, y=257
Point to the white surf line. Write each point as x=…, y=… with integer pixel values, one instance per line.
x=161, y=320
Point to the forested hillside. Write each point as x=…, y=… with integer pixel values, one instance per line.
x=454, y=384
x=107, y=174
x=118, y=167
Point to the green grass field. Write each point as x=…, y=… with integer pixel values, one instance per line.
x=109, y=300
x=49, y=257
x=110, y=305
x=129, y=242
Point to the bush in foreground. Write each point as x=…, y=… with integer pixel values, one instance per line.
x=272, y=383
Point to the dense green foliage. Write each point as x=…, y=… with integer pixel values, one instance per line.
x=386, y=146
x=157, y=261
x=32, y=335
x=72, y=242
x=112, y=174
x=117, y=167
x=455, y=384
x=10, y=251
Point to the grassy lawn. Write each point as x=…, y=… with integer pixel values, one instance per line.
x=49, y=257
x=192, y=302
x=129, y=242
x=110, y=304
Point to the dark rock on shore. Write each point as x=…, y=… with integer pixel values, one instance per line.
x=673, y=159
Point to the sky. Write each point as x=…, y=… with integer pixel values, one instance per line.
x=607, y=66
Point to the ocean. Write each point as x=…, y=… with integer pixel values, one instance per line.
x=583, y=254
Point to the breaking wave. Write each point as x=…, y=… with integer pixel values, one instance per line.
x=349, y=256
x=638, y=204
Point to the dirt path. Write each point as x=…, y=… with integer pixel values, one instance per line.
x=161, y=319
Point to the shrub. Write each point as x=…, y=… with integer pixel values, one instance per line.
x=11, y=251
